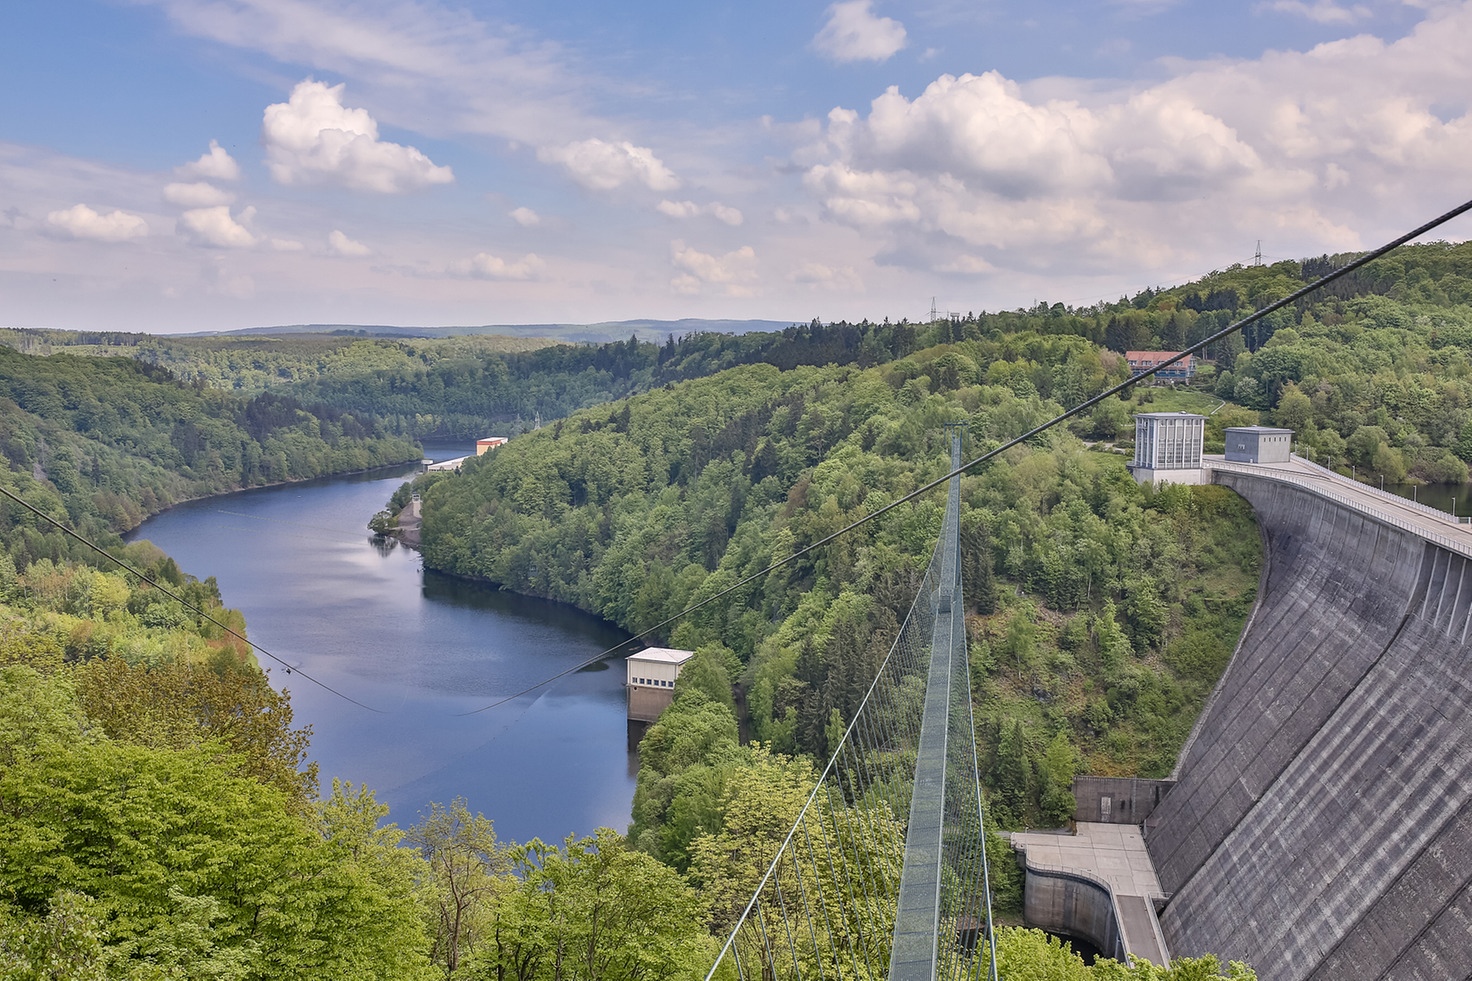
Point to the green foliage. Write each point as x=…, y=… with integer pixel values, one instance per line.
x=159, y=816
x=638, y=510
x=180, y=704
x=64, y=944
x=709, y=671
x=470, y=386
x=101, y=443
x=1061, y=762
x=1119, y=679
x=1100, y=613
x=465, y=872
x=1031, y=955
x=183, y=865
x=594, y=909
x=686, y=761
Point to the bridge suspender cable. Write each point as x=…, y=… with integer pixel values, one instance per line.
x=179, y=599
x=1083, y=406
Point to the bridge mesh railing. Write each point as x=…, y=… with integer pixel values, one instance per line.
x=829, y=905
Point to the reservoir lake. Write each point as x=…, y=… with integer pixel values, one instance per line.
x=422, y=649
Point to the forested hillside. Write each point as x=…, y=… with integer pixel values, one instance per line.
x=118, y=440
x=1103, y=613
x=1372, y=371
x=466, y=387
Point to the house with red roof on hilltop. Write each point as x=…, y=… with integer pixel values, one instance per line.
x=1142, y=361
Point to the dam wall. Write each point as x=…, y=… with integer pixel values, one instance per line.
x=1321, y=825
x=1075, y=904
x=1117, y=800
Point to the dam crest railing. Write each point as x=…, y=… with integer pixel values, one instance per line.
x=1358, y=497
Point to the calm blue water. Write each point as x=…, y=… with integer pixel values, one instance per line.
x=1443, y=497
x=421, y=648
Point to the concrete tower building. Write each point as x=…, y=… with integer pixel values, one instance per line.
x=1168, y=447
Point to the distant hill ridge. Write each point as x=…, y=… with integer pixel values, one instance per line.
x=612, y=330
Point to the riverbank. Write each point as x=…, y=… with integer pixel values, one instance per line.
x=407, y=524
x=336, y=475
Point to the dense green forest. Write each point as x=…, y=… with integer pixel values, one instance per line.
x=115, y=440
x=466, y=387
x=159, y=814
x=1103, y=613
x=1372, y=370
x=161, y=821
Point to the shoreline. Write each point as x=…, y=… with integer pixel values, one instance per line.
x=337, y=474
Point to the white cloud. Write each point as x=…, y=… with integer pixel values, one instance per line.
x=215, y=228
x=981, y=175
x=977, y=127
x=689, y=209
x=839, y=278
x=678, y=209
x=314, y=139
x=1320, y=11
x=1161, y=144
x=731, y=216
x=215, y=165
x=198, y=194
x=428, y=64
x=525, y=217
x=733, y=272
x=854, y=33
x=340, y=244
x=969, y=265
x=80, y=221
x=483, y=265
x=603, y=166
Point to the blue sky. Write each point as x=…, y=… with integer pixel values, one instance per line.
x=170, y=165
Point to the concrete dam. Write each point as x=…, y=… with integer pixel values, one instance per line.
x=1320, y=826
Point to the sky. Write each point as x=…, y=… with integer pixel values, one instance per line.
x=179, y=165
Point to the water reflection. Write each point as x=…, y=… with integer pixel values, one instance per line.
x=1442, y=497
x=426, y=651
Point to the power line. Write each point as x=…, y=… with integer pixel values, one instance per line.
x=179, y=599
x=1293, y=297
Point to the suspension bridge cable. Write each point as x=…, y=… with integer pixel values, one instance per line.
x=290, y=669
x=923, y=489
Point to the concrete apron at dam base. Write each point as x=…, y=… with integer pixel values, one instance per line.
x=1320, y=823
x=1098, y=884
